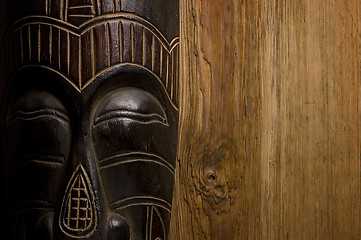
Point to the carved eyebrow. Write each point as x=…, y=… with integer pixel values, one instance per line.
x=32, y=115
x=128, y=157
x=143, y=118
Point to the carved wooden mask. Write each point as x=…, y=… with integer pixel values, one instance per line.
x=89, y=95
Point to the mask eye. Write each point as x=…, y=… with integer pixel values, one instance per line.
x=21, y=115
x=130, y=104
x=38, y=140
x=38, y=129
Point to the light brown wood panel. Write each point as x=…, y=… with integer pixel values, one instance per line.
x=269, y=137
x=310, y=120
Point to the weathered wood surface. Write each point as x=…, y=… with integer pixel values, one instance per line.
x=269, y=144
x=219, y=121
x=310, y=120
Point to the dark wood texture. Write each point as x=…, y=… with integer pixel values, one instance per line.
x=278, y=83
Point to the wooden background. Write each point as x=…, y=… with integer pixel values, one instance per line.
x=269, y=138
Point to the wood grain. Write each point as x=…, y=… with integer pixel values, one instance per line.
x=269, y=137
x=219, y=102
x=310, y=120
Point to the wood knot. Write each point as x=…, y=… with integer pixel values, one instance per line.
x=216, y=184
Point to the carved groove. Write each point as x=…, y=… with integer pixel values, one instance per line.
x=141, y=200
x=37, y=114
x=130, y=157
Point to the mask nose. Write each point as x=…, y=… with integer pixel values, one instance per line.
x=84, y=211
x=118, y=228
x=79, y=217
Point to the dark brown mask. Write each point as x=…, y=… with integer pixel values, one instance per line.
x=89, y=118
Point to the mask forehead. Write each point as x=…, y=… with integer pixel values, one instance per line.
x=81, y=40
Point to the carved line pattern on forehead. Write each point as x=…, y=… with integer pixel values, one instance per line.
x=82, y=53
x=79, y=11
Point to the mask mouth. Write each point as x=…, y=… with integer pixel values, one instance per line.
x=78, y=215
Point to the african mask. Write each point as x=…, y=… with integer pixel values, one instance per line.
x=89, y=118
